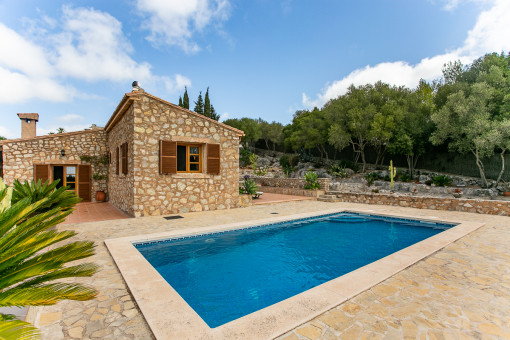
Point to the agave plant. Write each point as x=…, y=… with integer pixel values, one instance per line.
x=30, y=258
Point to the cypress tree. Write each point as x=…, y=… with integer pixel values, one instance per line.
x=185, y=100
x=214, y=115
x=180, y=102
x=199, y=104
x=207, y=104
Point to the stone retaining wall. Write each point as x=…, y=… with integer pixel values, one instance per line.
x=296, y=183
x=491, y=207
x=292, y=191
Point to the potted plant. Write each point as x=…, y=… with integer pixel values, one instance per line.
x=457, y=193
x=100, y=194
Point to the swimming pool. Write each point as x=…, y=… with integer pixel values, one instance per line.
x=226, y=275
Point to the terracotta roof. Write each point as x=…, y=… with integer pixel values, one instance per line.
x=122, y=108
x=6, y=141
x=32, y=116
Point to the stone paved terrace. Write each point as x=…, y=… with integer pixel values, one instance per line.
x=460, y=292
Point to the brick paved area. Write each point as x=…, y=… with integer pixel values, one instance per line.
x=95, y=212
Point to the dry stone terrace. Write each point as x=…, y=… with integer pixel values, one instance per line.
x=460, y=292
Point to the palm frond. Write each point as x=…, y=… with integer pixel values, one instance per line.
x=17, y=330
x=12, y=257
x=45, y=295
x=47, y=261
x=81, y=270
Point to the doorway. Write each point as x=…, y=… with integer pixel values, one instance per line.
x=67, y=176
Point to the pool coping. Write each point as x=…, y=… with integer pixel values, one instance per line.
x=169, y=316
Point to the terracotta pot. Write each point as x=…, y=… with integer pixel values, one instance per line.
x=100, y=196
x=506, y=193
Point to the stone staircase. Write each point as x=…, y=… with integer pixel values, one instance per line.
x=329, y=196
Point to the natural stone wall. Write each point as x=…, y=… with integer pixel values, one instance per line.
x=296, y=183
x=291, y=191
x=20, y=155
x=245, y=201
x=121, y=186
x=491, y=207
x=157, y=194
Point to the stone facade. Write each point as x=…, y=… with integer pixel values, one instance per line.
x=120, y=186
x=20, y=155
x=155, y=193
x=142, y=121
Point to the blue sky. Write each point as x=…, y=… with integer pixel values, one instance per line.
x=71, y=62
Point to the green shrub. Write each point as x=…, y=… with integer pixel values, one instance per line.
x=371, y=177
x=248, y=186
x=312, y=180
x=405, y=177
x=337, y=170
x=288, y=170
x=244, y=157
x=343, y=163
x=261, y=171
x=289, y=160
x=253, y=161
x=442, y=181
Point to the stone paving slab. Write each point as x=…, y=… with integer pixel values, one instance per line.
x=462, y=291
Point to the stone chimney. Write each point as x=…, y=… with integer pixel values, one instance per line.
x=28, y=122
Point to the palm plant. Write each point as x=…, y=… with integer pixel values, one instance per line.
x=31, y=260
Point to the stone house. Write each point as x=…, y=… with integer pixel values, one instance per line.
x=161, y=158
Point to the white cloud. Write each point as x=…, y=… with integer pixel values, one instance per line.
x=92, y=46
x=177, y=83
x=69, y=118
x=490, y=34
x=175, y=22
x=84, y=44
x=224, y=116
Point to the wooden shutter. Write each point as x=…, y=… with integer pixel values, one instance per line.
x=117, y=160
x=125, y=158
x=167, y=157
x=84, y=185
x=41, y=172
x=213, y=159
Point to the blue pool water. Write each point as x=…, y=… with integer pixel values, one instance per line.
x=224, y=276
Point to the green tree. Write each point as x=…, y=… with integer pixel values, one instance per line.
x=351, y=117
x=180, y=102
x=207, y=104
x=31, y=259
x=2, y=138
x=413, y=130
x=250, y=127
x=309, y=130
x=466, y=124
x=199, y=104
x=185, y=98
x=275, y=133
x=214, y=115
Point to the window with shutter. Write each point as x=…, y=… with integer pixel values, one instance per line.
x=125, y=158
x=117, y=160
x=213, y=159
x=167, y=157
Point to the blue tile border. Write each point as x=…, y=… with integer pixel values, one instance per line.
x=443, y=225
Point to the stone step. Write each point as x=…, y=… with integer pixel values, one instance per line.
x=328, y=198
